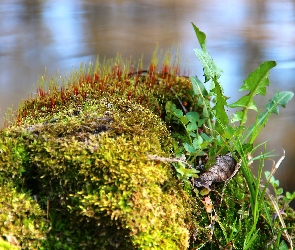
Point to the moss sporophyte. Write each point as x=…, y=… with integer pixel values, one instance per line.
x=117, y=157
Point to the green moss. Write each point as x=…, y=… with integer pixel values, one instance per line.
x=85, y=158
x=6, y=246
x=22, y=222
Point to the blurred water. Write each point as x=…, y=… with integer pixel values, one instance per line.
x=59, y=35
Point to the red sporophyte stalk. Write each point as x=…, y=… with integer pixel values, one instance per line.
x=41, y=92
x=52, y=102
x=165, y=70
x=117, y=72
x=19, y=119
x=121, y=79
x=76, y=90
x=95, y=78
x=152, y=69
x=63, y=95
x=129, y=95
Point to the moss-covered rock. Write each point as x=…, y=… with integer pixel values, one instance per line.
x=81, y=151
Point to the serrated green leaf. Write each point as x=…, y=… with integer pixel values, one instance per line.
x=198, y=87
x=211, y=71
x=220, y=113
x=280, y=98
x=193, y=116
x=228, y=132
x=257, y=81
x=201, y=36
x=256, y=84
x=244, y=102
x=237, y=116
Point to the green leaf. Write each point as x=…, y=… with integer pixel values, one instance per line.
x=203, y=100
x=184, y=120
x=211, y=71
x=237, y=116
x=247, y=148
x=177, y=112
x=258, y=80
x=198, y=87
x=279, y=191
x=201, y=122
x=171, y=107
x=197, y=143
x=201, y=36
x=245, y=102
x=283, y=245
x=193, y=116
x=290, y=196
x=189, y=148
x=266, y=173
x=205, y=113
x=220, y=113
x=200, y=139
x=206, y=137
x=275, y=183
x=186, y=172
x=168, y=106
x=192, y=126
x=280, y=98
x=228, y=132
x=256, y=84
x=192, y=134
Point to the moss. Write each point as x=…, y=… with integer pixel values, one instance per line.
x=22, y=222
x=82, y=151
